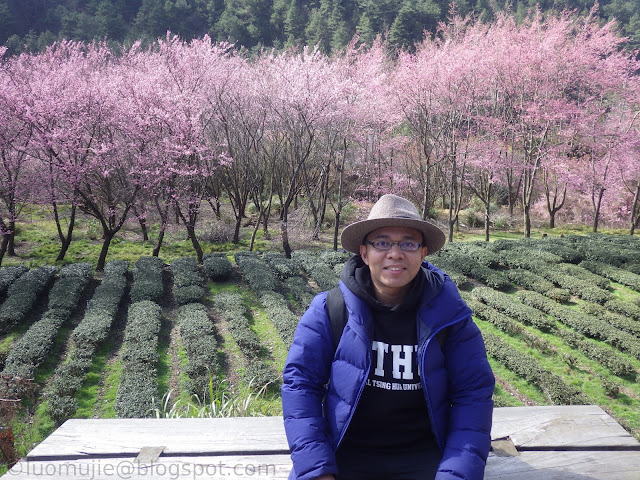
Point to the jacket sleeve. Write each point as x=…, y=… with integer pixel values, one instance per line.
x=305, y=375
x=470, y=386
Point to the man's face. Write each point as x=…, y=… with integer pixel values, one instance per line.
x=393, y=270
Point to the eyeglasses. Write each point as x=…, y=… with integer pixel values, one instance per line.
x=406, y=246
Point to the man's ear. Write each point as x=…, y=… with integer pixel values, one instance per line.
x=363, y=254
x=425, y=251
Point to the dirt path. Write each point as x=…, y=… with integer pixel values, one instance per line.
x=506, y=386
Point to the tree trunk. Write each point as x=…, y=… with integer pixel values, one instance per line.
x=191, y=231
x=64, y=239
x=527, y=221
x=156, y=249
x=597, y=204
x=4, y=240
x=285, y=231
x=11, y=244
x=236, y=231
x=107, y=236
x=635, y=210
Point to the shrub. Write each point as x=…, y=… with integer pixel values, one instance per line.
x=471, y=267
x=139, y=384
x=616, y=274
x=320, y=272
x=283, y=319
x=217, y=266
x=283, y=267
x=506, y=304
x=8, y=275
x=300, y=289
x=86, y=337
x=23, y=294
x=254, y=270
x=587, y=325
x=147, y=280
x=188, y=281
x=558, y=392
x=28, y=353
x=198, y=335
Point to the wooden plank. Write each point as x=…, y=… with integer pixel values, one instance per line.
x=565, y=466
x=258, y=467
x=527, y=466
x=199, y=436
x=579, y=426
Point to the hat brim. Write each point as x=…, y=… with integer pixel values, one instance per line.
x=353, y=235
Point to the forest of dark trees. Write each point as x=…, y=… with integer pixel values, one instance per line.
x=33, y=24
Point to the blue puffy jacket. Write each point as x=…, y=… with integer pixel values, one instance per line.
x=456, y=379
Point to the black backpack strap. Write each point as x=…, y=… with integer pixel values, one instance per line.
x=337, y=312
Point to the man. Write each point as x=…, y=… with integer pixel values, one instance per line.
x=407, y=392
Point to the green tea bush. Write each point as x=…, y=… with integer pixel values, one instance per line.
x=90, y=333
x=188, y=281
x=587, y=325
x=472, y=268
x=283, y=267
x=275, y=305
x=217, y=267
x=507, y=324
x=23, y=294
x=557, y=391
x=230, y=306
x=583, y=274
x=622, y=307
x=198, y=335
x=443, y=263
x=147, y=280
x=300, y=290
x=616, y=274
x=319, y=271
x=28, y=353
x=506, y=304
x=614, y=363
x=615, y=319
x=254, y=270
x=139, y=382
x=8, y=275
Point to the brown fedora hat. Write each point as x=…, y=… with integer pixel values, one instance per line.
x=392, y=211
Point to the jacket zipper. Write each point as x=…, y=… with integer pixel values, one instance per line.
x=353, y=409
x=424, y=381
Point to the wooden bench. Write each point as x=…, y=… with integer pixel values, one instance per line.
x=530, y=443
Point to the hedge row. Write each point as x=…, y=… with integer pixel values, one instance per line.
x=623, y=322
x=285, y=321
x=319, y=267
x=230, y=306
x=558, y=392
x=254, y=270
x=604, y=356
x=32, y=348
x=299, y=288
x=479, y=251
x=23, y=294
x=443, y=263
x=283, y=267
x=92, y=331
x=217, y=266
x=147, y=280
x=614, y=273
x=532, y=281
x=585, y=324
x=469, y=266
x=577, y=285
x=198, y=335
x=507, y=324
x=505, y=304
x=139, y=382
x=584, y=274
x=8, y=275
x=188, y=281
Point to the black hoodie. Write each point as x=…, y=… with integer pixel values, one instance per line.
x=391, y=415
